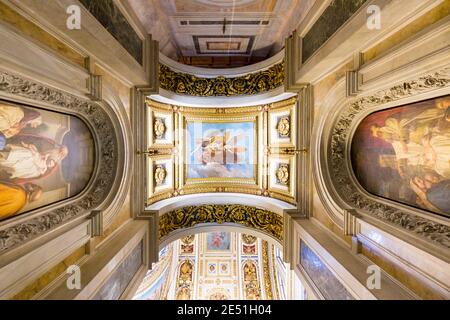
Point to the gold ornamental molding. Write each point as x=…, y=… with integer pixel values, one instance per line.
x=253, y=83
x=274, y=150
x=259, y=219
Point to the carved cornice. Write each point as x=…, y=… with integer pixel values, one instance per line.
x=435, y=232
x=106, y=161
x=253, y=83
x=260, y=219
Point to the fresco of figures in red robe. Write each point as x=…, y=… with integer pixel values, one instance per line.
x=403, y=154
x=45, y=157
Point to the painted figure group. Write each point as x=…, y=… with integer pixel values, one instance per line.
x=23, y=158
x=421, y=141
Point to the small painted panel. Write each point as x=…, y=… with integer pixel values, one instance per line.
x=218, y=241
x=327, y=283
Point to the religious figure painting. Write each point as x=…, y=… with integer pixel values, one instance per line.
x=403, y=154
x=218, y=241
x=220, y=150
x=45, y=157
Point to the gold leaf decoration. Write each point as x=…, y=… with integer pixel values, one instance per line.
x=284, y=127
x=159, y=128
x=266, y=271
x=260, y=219
x=248, y=239
x=160, y=175
x=253, y=83
x=283, y=174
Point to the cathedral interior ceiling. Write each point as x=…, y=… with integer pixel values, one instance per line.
x=244, y=150
x=219, y=28
x=216, y=266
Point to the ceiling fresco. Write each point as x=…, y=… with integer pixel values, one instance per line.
x=216, y=266
x=244, y=150
x=254, y=29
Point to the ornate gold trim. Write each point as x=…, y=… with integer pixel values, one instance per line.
x=253, y=83
x=266, y=271
x=260, y=219
x=176, y=146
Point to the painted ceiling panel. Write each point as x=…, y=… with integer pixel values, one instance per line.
x=254, y=29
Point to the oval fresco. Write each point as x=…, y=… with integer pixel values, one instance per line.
x=45, y=157
x=403, y=154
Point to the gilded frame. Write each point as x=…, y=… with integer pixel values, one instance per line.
x=214, y=183
x=257, y=185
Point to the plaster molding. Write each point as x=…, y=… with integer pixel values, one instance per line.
x=216, y=72
x=431, y=229
x=100, y=190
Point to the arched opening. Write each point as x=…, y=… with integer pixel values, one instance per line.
x=225, y=264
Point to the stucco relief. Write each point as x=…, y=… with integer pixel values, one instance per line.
x=349, y=116
x=48, y=218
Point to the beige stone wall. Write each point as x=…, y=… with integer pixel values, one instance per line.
x=321, y=89
x=30, y=29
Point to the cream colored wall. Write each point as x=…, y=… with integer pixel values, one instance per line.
x=322, y=86
x=18, y=20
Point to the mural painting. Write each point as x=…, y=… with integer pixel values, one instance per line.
x=45, y=157
x=218, y=241
x=403, y=154
x=221, y=150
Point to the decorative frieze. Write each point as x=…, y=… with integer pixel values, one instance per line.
x=253, y=83
x=259, y=219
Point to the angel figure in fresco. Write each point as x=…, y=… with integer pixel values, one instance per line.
x=25, y=161
x=220, y=148
x=13, y=119
x=14, y=197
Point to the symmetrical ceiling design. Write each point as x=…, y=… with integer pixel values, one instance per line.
x=250, y=28
x=216, y=266
x=245, y=150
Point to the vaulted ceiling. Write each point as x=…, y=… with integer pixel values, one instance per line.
x=216, y=266
x=249, y=30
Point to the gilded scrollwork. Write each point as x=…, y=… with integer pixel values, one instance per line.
x=254, y=83
x=260, y=219
x=431, y=230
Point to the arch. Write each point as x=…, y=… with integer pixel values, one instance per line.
x=108, y=172
x=338, y=188
x=270, y=69
x=225, y=198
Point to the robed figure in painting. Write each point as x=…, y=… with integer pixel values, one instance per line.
x=45, y=157
x=403, y=154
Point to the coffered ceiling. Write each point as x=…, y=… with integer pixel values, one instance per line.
x=220, y=28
